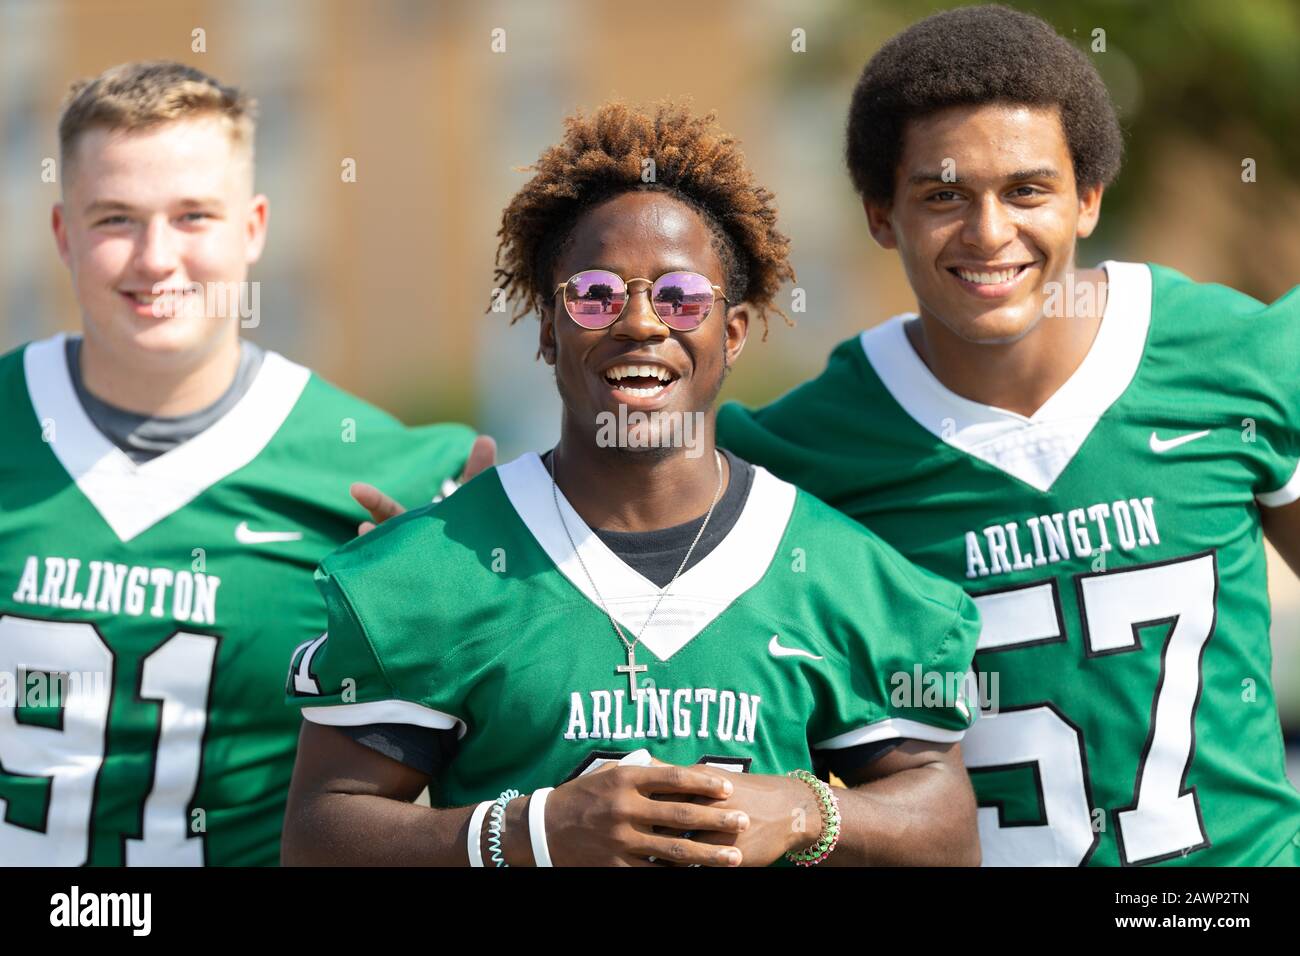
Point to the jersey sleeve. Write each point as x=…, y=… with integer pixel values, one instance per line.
x=1278, y=377
x=908, y=641
x=341, y=679
x=416, y=465
x=812, y=435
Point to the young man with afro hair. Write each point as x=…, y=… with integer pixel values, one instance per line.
x=1094, y=454
x=650, y=639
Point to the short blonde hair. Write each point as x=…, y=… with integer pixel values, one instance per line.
x=139, y=96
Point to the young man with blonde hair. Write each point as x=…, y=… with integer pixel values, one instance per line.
x=166, y=490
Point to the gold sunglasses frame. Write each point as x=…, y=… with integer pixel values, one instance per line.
x=627, y=284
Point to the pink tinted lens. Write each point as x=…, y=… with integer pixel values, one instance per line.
x=682, y=300
x=595, y=298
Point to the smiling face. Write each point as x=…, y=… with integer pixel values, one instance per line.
x=638, y=362
x=148, y=218
x=980, y=249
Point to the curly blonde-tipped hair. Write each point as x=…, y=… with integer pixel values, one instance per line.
x=139, y=96
x=605, y=154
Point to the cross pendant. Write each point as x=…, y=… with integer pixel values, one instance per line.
x=631, y=669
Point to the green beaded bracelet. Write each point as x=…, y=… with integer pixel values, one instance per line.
x=830, y=835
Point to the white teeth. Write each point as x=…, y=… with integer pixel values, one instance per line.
x=988, y=278
x=649, y=371
x=644, y=392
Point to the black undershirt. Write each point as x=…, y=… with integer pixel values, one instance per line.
x=655, y=555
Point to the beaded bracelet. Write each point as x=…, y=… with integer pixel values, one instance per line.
x=830, y=835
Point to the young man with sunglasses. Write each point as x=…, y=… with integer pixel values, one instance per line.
x=1095, y=454
x=166, y=490
x=654, y=648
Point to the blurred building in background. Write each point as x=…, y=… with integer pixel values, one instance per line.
x=382, y=284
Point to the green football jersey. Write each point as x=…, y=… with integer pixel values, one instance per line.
x=1112, y=542
x=476, y=614
x=147, y=609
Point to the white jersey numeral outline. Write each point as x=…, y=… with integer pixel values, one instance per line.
x=1163, y=820
x=177, y=675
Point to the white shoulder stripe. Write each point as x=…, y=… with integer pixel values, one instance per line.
x=1283, y=496
x=384, y=712
x=132, y=498
x=888, y=729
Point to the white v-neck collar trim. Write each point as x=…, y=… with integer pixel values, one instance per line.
x=1035, y=449
x=702, y=592
x=132, y=498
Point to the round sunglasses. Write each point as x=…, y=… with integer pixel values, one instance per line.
x=596, y=298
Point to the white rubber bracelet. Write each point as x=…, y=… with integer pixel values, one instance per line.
x=537, y=827
x=474, y=840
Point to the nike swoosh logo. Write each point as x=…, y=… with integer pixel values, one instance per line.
x=776, y=650
x=1160, y=446
x=245, y=535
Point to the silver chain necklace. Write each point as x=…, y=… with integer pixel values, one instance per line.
x=631, y=668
